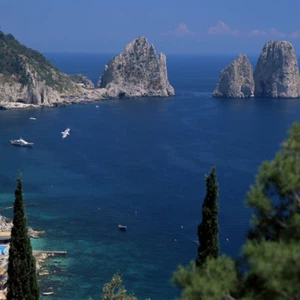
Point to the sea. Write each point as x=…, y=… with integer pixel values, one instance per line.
x=140, y=163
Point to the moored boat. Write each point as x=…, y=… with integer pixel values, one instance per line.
x=21, y=142
x=47, y=293
x=122, y=227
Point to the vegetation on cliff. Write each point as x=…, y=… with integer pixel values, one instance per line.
x=15, y=59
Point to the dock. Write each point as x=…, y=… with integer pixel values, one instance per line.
x=52, y=252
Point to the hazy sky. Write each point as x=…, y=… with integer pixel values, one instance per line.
x=173, y=26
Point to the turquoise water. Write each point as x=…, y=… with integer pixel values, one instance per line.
x=138, y=162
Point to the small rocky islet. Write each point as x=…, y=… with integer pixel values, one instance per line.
x=29, y=80
x=276, y=74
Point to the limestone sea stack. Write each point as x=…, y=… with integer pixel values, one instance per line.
x=137, y=72
x=276, y=74
x=236, y=80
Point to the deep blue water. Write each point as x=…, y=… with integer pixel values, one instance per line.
x=141, y=163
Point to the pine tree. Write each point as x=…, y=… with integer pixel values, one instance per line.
x=115, y=290
x=22, y=279
x=275, y=197
x=208, y=229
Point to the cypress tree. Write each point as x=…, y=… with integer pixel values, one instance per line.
x=208, y=229
x=22, y=279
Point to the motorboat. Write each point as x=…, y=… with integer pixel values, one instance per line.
x=21, y=142
x=122, y=227
x=47, y=293
x=32, y=118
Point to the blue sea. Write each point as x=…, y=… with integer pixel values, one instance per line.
x=141, y=163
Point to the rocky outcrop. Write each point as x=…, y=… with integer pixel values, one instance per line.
x=276, y=73
x=28, y=80
x=137, y=72
x=236, y=80
x=82, y=80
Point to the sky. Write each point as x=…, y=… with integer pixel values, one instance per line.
x=173, y=26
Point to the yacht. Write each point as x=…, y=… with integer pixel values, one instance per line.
x=21, y=142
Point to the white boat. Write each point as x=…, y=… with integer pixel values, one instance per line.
x=47, y=293
x=21, y=142
x=32, y=118
x=65, y=133
x=122, y=227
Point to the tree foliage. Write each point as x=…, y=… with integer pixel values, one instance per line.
x=271, y=256
x=275, y=197
x=274, y=270
x=216, y=279
x=208, y=229
x=114, y=290
x=22, y=279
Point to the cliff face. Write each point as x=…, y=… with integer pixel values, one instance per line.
x=236, y=80
x=276, y=73
x=137, y=71
x=82, y=80
x=27, y=77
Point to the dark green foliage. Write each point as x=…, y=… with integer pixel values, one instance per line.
x=217, y=279
x=271, y=256
x=275, y=197
x=274, y=270
x=114, y=290
x=22, y=279
x=208, y=229
x=13, y=57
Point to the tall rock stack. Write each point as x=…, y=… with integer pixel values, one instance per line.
x=236, y=80
x=276, y=73
x=137, y=71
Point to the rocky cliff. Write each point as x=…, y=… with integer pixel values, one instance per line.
x=236, y=80
x=27, y=78
x=138, y=71
x=276, y=73
x=82, y=80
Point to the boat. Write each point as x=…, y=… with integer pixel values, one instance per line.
x=47, y=293
x=122, y=227
x=65, y=133
x=21, y=142
x=32, y=118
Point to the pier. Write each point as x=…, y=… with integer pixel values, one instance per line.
x=52, y=252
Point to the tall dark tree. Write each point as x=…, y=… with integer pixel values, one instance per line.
x=22, y=279
x=208, y=229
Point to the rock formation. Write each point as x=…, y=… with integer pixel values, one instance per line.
x=138, y=71
x=236, y=80
x=28, y=79
x=82, y=80
x=276, y=73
